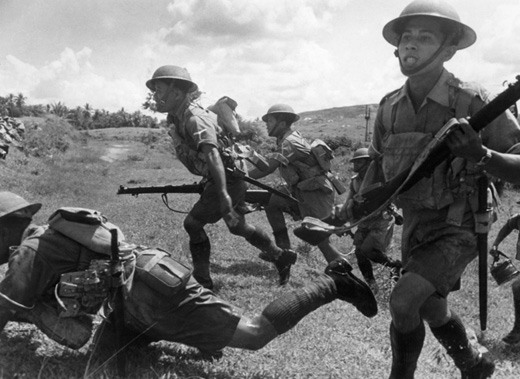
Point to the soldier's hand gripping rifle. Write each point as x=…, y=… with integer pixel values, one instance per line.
x=375, y=199
x=379, y=196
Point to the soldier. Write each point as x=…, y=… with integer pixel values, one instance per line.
x=201, y=145
x=372, y=237
x=439, y=238
x=161, y=302
x=305, y=178
x=513, y=223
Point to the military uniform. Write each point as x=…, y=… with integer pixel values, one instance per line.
x=439, y=238
x=191, y=127
x=190, y=314
x=305, y=178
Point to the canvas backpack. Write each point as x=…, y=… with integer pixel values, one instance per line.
x=87, y=227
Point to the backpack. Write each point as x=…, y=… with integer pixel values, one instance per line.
x=224, y=108
x=87, y=227
x=324, y=156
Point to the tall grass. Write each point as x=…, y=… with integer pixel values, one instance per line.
x=335, y=341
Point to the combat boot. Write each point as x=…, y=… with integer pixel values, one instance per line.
x=350, y=288
x=482, y=370
x=283, y=264
x=200, y=253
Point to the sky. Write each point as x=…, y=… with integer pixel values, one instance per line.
x=311, y=54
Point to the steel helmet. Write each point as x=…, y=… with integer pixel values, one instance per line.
x=171, y=72
x=280, y=108
x=361, y=153
x=431, y=8
x=10, y=203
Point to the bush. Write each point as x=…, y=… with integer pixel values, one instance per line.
x=54, y=136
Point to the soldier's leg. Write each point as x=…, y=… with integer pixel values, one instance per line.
x=452, y=335
x=328, y=250
x=407, y=328
x=406, y=349
x=282, y=259
x=365, y=266
x=284, y=313
x=200, y=249
x=274, y=212
x=514, y=335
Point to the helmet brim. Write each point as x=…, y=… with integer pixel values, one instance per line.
x=151, y=86
x=391, y=35
x=360, y=157
x=296, y=117
x=32, y=208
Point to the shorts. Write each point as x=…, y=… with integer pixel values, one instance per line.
x=318, y=203
x=194, y=317
x=207, y=208
x=376, y=236
x=440, y=254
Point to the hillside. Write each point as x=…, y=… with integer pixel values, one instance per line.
x=347, y=121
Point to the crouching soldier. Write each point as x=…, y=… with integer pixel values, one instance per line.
x=161, y=299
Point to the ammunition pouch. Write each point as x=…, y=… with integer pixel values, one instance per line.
x=160, y=272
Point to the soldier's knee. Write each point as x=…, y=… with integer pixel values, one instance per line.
x=256, y=333
x=402, y=311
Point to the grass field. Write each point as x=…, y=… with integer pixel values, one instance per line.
x=333, y=342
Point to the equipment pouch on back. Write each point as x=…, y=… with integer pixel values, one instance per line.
x=160, y=272
x=87, y=227
x=323, y=154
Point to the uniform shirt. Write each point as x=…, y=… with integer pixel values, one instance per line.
x=300, y=163
x=192, y=127
x=35, y=266
x=426, y=220
x=499, y=135
x=438, y=107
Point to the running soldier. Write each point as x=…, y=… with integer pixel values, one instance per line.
x=439, y=238
x=305, y=178
x=161, y=299
x=201, y=145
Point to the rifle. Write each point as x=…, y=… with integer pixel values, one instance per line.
x=259, y=198
x=375, y=199
x=379, y=196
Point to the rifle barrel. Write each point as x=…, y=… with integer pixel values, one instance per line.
x=184, y=188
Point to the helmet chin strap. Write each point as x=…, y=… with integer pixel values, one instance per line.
x=434, y=56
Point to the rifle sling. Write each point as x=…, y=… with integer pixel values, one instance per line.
x=263, y=186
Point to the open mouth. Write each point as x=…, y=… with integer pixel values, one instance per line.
x=409, y=61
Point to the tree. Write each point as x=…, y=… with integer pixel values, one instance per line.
x=59, y=109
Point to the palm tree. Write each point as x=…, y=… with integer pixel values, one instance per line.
x=59, y=109
x=20, y=101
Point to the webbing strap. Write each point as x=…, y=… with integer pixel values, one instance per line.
x=156, y=257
